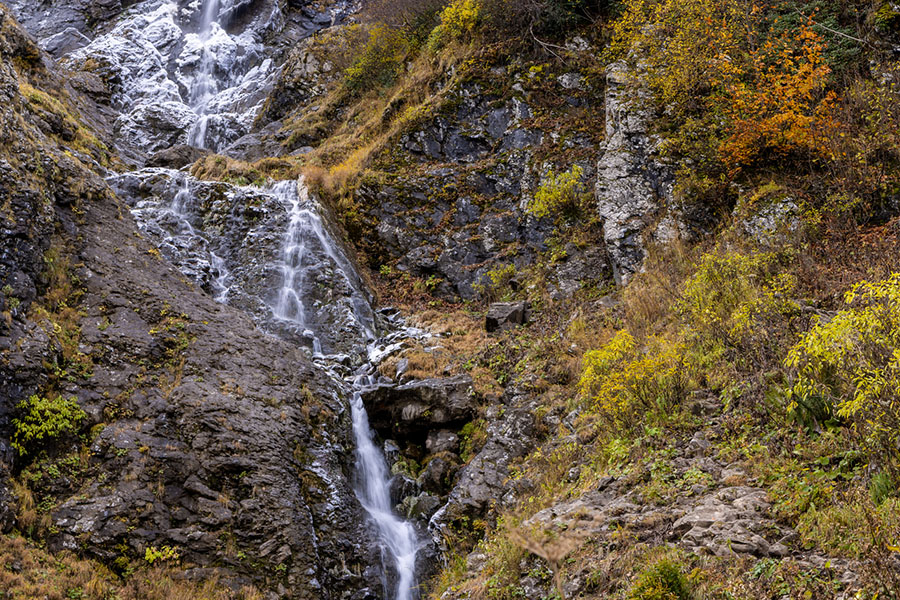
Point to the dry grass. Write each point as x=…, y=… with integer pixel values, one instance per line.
x=350, y=132
x=30, y=572
x=459, y=337
x=214, y=167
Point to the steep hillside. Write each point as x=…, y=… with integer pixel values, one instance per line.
x=645, y=259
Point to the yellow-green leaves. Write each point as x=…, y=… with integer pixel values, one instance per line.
x=623, y=382
x=559, y=194
x=853, y=361
x=44, y=420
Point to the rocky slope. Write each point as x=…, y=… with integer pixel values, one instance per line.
x=628, y=415
x=201, y=432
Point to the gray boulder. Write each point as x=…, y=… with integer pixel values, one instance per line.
x=421, y=406
x=506, y=315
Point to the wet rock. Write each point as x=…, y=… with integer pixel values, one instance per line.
x=65, y=42
x=156, y=127
x=422, y=506
x=229, y=239
x=421, y=406
x=176, y=157
x=434, y=478
x=442, y=440
x=485, y=479
x=207, y=427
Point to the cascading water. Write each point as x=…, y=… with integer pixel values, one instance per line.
x=320, y=293
x=204, y=86
x=398, y=536
x=305, y=231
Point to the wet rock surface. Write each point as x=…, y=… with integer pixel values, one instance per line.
x=228, y=239
x=420, y=407
x=146, y=58
x=207, y=434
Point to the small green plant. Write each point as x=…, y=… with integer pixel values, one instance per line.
x=661, y=581
x=882, y=487
x=497, y=282
x=165, y=554
x=380, y=61
x=559, y=195
x=44, y=420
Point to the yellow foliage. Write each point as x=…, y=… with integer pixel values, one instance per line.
x=852, y=362
x=459, y=20
x=623, y=382
x=703, y=62
x=737, y=300
x=558, y=194
x=461, y=17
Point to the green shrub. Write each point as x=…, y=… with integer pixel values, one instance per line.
x=380, y=61
x=458, y=21
x=661, y=581
x=627, y=385
x=853, y=362
x=882, y=487
x=560, y=194
x=43, y=420
x=854, y=529
x=739, y=301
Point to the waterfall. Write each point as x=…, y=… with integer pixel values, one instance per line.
x=306, y=231
x=320, y=293
x=306, y=235
x=373, y=491
x=204, y=86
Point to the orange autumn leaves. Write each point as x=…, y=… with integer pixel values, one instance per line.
x=780, y=104
x=722, y=66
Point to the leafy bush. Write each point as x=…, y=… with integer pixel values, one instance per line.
x=43, y=420
x=729, y=79
x=559, y=194
x=855, y=529
x=741, y=302
x=380, y=61
x=459, y=20
x=853, y=361
x=882, y=487
x=661, y=581
x=626, y=384
x=165, y=554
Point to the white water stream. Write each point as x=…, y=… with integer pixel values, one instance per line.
x=204, y=86
x=309, y=260
x=305, y=233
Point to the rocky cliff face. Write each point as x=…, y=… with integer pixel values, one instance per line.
x=143, y=59
x=201, y=431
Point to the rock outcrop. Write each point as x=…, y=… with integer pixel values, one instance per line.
x=228, y=240
x=506, y=315
x=421, y=407
x=634, y=185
